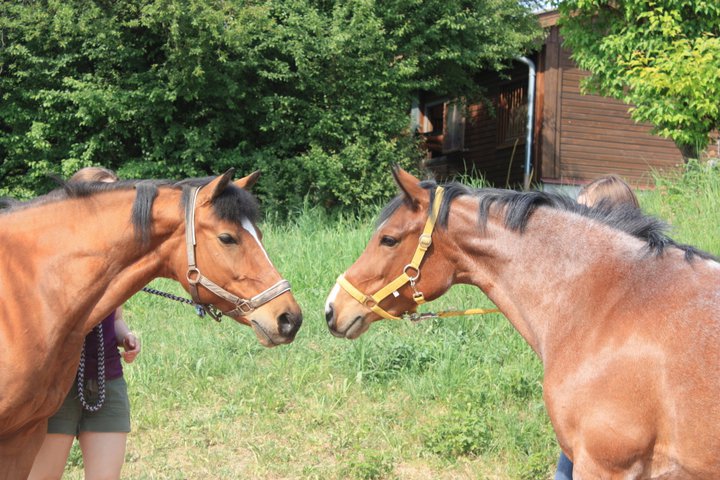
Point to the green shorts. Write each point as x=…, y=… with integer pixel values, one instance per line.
x=113, y=416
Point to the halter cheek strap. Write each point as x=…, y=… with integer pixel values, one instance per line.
x=194, y=277
x=424, y=242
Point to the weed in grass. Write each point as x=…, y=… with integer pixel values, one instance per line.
x=523, y=385
x=387, y=359
x=535, y=467
x=463, y=432
x=690, y=202
x=370, y=465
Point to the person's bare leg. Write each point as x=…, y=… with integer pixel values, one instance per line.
x=51, y=459
x=103, y=454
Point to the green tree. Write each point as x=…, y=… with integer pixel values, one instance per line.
x=315, y=93
x=661, y=56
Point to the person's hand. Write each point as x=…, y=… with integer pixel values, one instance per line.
x=131, y=345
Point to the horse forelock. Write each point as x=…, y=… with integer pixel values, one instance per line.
x=233, y=204
x=401, y=199
x=517, y=209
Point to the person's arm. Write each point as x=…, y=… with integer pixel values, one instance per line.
x=126, y=339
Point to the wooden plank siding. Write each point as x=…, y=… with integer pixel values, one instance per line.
x=576, y=137
x=482, y=155
x=597, y=136
x=499, y=165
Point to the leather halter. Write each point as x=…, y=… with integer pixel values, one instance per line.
x=373, y=301
x=194, y=277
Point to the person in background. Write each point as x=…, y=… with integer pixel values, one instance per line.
x=97, y=408
x=611, y=190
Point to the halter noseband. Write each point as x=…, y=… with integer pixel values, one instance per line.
x=194, y=277
x=373, y=301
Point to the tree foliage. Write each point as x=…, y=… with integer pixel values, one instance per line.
x=315, y=93
x=662, y=56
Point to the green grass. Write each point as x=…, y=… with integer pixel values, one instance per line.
x=458, y=398
x=690, y=202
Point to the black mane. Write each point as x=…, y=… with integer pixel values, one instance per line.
x=519, y=207
x=232, y=205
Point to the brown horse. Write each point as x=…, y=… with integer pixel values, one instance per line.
x=71, y=257
x=625, y=321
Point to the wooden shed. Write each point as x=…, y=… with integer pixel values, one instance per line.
x=575, y=137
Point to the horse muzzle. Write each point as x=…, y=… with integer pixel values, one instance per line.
x=350, y=328
x=273, y=330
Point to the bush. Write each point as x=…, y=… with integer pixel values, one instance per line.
x=314, y=93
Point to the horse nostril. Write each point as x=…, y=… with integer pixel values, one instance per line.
x=329, y=314
x=288, y=324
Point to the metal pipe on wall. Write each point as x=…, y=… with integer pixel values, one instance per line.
x=530, y=120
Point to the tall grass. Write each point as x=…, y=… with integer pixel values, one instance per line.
x=457, y=398
x=690, y=202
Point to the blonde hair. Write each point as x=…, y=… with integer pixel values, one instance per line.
x=94, y=174
x=610, y=189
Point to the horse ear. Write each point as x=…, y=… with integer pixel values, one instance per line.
x=247, y=183
x=410, y=186
x=213, y=189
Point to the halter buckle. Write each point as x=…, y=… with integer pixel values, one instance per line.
x=370, y=302
x=245, y=307
x=425, y=241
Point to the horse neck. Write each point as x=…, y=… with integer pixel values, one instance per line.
x=539, y=278
x=143, y=262
x=85, y=251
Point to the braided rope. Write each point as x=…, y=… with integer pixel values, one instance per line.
x=167, y=295
x=101, y=374
x=101, y=354
x=198, y=308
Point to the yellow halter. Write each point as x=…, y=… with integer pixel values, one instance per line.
x=373, y=301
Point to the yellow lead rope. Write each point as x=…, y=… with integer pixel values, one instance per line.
x=416, y=317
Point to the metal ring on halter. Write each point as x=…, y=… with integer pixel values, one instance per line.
x=412, y=278
x=193, y=275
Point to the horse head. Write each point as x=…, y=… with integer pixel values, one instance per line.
x=226, y=263
x=400, y=268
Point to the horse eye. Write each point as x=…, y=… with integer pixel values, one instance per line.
x=226, y=238
x=388, y=241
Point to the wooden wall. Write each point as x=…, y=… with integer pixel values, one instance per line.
x=500, y=164
x=576, y=137
x=586, y=136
